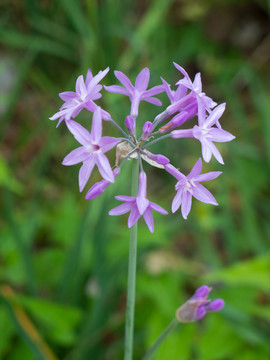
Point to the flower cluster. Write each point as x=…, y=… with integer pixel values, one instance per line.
x=198, y=305
x=187, y=101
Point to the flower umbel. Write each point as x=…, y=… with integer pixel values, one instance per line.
x=198, y=305
x=186, y=102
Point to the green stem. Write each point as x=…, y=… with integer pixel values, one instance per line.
x=173, y=325
x=131, y=272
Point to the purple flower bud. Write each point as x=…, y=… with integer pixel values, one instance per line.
x=176, y=121
x=147, y=130
x=198, y=305
x=160, y=159
x=99, y=187
x=201, y=293
x=130, y=124
x=216, y=305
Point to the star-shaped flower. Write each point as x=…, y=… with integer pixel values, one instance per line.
x=92, y=151
x=138, y=206
x=138, y=92
x=195, y=87
x=83, y=97
x=207, y=133
x=188, y=186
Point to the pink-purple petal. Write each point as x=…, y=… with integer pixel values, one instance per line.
x=148, y=217
x=186, y=204
x=104, y=166
x=153, y=91
x=116, y=89
x=125, y=198
x=215, y=115
x=85, y=172
x=107, y=143
x=124, y=80
x=142, y=80
x=133, y=216
x=96, y=126
x=204, y=195
x=79, y=132
x=219, y=135
x=76, y=156
x=67, y=95
x=207, y=176
x=121, y=209
x=196, y=170
x=177, y=200
x=158, y=208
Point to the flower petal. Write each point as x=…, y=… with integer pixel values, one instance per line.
x=207, y=176
x=153, y=91
x=79, y=132
x=216, y=153
x=124, y=80
x=104, y=166
x=67, y=95
x=80, y=86
x=202, y=194
x=219, y=135
x=121, y=209
x=196, y=170
x=215, y=115
x=76, y=156
x=133, y=216
x=116, y=89
x=96, y=126
x=177, y=200
x=85, y=172
x=197, y=83
x=158, y=208
x=186, y=204
x=142, y=80
x=152, y=100
x=125, y=198
x=106, y=143
x=148, y=217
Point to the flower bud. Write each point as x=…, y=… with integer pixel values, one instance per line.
x=198, y=305
x=147, y=130
x=99, y=187
x=160, y=159
x=130, y=124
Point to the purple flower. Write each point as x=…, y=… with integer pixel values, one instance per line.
x=206, y=133
x=92, y=151
x=84, y=96
x=99, y=187
x=138, y=206
x=138, y=92
x=195, y=87
x=198, y=305
x=188, y=186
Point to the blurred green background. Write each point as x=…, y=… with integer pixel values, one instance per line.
x=63, y=260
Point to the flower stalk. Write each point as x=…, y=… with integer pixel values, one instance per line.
x=129, y=325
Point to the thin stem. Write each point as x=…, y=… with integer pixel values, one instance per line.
x=128, y=140
x=131, y=272
x=119, y=128
x=173, y=325
x=156, y=140
x=140, y=161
